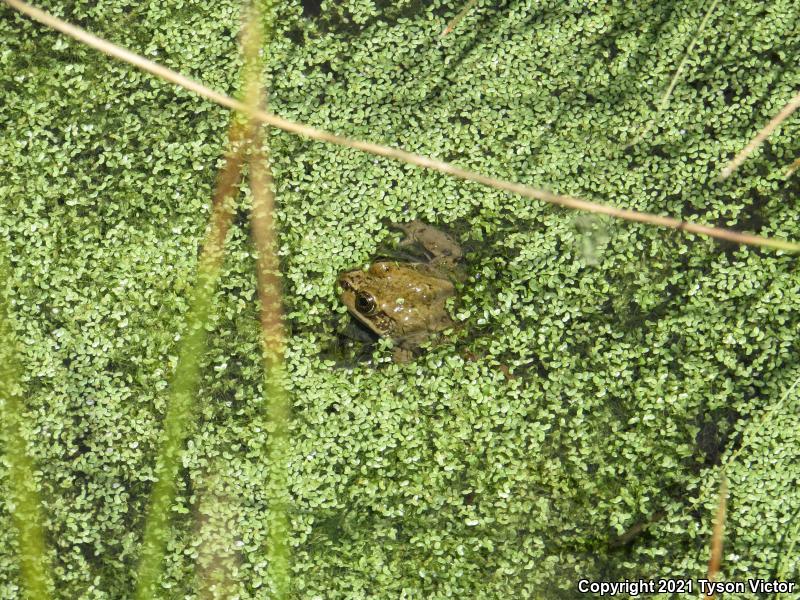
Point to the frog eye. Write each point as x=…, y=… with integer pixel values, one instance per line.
x=365, y=303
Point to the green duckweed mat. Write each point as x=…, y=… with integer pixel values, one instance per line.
x=642, y=358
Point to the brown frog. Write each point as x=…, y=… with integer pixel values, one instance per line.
x=406, y=301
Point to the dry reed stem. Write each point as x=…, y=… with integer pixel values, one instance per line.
x=793, y=167
x=227, y=186
x=715, y=560
x=762, y=135
x=269, y=283
x=457, y=19
x=393, y=153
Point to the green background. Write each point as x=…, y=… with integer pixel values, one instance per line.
x=643, y=358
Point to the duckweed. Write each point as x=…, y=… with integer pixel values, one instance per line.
x=641, y=358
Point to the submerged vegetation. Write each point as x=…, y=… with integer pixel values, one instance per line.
x=644, y=361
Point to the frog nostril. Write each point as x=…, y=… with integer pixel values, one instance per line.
x=345, y=285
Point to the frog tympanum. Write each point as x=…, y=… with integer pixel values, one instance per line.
x=406, y=301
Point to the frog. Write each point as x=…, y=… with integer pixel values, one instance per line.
x=406, y=301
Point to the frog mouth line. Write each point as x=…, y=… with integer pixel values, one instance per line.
x=379, y=322
x=382, y=322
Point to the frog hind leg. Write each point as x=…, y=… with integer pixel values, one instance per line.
x=440, y=247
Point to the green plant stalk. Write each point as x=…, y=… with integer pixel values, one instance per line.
x=276, y=401
x=24, y=502
x=176, y=423
x=185, y=382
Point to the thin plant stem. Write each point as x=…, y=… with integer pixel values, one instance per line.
x=23, y=496
x=457, y=19
x=792, y=167
x=662, y=105
x=183, y=388
x=790, y=554
x=762, y=135
x=746, y=440
x=396, y=154
x=273, y=337
x=759, y=425
x=715, y=560
x=276, y=400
